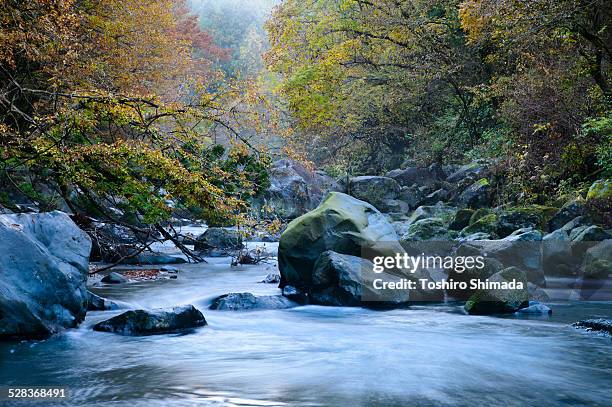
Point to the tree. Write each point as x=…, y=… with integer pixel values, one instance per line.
x=383, y=76
x=108, y=104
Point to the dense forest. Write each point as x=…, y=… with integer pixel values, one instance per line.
x=149, y=106
x=524, y=82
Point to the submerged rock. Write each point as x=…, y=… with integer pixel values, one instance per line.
x=44, y=262
x=501, y=300
x=596, y=325
x=248, y=301
x=153, y=322
x=114, y=278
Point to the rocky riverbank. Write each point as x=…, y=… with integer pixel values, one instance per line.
x=321, y=251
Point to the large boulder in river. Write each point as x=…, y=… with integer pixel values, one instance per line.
x=341, y=223
x=344, y=280
x=44, y=261
x=153, y=322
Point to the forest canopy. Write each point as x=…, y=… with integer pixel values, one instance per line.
x=107, y=107
x=370, y=84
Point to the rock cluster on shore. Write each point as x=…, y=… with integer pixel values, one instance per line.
x=325, y=251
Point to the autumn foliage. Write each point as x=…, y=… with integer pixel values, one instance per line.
x=108, y=104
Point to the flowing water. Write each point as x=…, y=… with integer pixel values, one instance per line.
x=427, y=355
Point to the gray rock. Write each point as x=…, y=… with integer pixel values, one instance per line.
x=558, y=235
x=577, y=222
x=342, y=224
x=476, y=195
x=432, y=229
x=473, y=171
x=524, y=235
x=440, y=195
x=535, y=308
x=374, y=190
x=295, y=190
x=536, y=293
x=219, y=240
x=412, y=196
x=511, y=221
x=598, y=261
x=97, y=303
x=589, y=234
x=153, y=322
x=344, y=280
x=596, y=325
x=248, y=301
x=420, y=176
x=500, y=301
x=557, y=255
x=44, y=262
x=393, y=206
x=439, y=211
x=522, y=250
x=568, y=212
x=114, y=278
x=462, y=219
x=479, y=236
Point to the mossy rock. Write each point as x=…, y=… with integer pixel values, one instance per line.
x=478, y=214
x=601, y=189
x=500, y=301
x=476, y=195
x=462, y=219
x=428, y=230
x=342, y=224
x=487, y=224
x=535, y=216
x=443, y=212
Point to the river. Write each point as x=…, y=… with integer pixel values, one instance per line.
x=318, y=356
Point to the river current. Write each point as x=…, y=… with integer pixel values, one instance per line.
x=317, y=356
